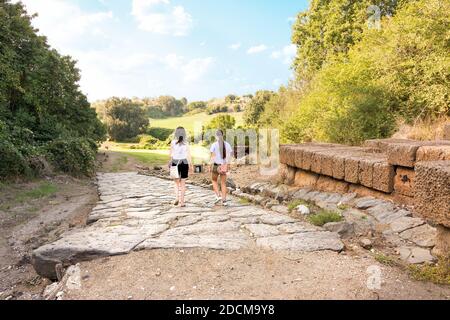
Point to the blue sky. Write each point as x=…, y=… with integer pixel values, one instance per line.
x=199, y=49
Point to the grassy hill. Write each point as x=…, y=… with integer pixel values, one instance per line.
x=189, y=122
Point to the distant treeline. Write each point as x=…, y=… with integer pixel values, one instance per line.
x=45, y=119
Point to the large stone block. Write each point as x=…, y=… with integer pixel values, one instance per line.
x=316, y=163
x=382, y=144
x=298, y=154
x=328, y=184
x=352, y=168
x=403, y=154
x=383, y=177
x=404, y=181
x=362, y=192
x=290, y=156
x=442, y=247
x=432, y=191
x=366, y=171
x=447, y=132
x=433, y=153
x=305, y=179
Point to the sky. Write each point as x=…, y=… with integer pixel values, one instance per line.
x=198, y=49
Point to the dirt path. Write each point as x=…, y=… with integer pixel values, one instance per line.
x=32, y=214
x=245, y=274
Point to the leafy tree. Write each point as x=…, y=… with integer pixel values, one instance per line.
x=39, y=91
x=331, y=27
x=256, y=107
x=223, y=122
x=125, y=119
x=198, y=105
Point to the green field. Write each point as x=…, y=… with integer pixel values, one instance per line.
x=189, y=122
x=158, y=157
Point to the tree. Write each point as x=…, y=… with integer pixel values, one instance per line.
x=198, y=105
x=39, y=92
x=125, y=119
x=256, y=107
x=331, y=27
x=223, y=122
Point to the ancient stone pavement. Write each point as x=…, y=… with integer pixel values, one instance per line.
x=135, y=212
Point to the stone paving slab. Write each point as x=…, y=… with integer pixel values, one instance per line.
x=135, y=212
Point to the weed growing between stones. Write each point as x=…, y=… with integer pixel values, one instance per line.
x=386, y=260
x=323, y=217
x=438, y=273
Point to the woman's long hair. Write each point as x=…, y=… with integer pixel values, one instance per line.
x=221, y=141
x=180, y=135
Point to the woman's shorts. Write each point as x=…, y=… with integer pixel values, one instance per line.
x=183, y=169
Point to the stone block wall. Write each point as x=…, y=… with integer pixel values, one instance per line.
x=404, y=171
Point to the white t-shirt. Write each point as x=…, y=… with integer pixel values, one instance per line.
x=215, y=148
x=179, y=150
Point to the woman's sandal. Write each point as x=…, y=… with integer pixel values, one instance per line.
x=176, y=202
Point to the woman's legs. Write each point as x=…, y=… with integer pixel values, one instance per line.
x=215, y=183
x=182, y=191
x=223, y=179
x=177, y=191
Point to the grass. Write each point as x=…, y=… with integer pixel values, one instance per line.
x=343, y=207
x=158, y=157
x=386, y=260
x=44, y=190
x=244, y=201
x=294, y=204
x=190, y=122
x=439, y=273
x=119, y=163
x=323, y=217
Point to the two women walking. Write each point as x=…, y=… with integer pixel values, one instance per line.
x=181, y=164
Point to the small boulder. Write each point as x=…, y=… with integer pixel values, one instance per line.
x=281, y=209
x=303, y=210
x=415, y=255
x=344, y=229
x=366, y=243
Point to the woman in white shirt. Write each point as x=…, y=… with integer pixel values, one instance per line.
x=180, y=155
x=221, y=155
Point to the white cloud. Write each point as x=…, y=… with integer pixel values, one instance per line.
x=65, y=23
x=257, y=49
x=191, y=70
x=159, y=16
x=286, y=54
x=235, y=46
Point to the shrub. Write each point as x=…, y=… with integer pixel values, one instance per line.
x=74, y=156
x=160, y=133
x=13, y=163
x=322, y=218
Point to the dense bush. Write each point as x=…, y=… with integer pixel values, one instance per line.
x=40, y=99
x=160, y=133
x=76, y=156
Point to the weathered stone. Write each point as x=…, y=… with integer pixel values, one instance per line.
x=344, y=229
x=447, y=132
x=332, y=185
x=362, y=191
x=406, y=223
x=275, y=219
x=352, y=169
x=306, y=242
x=218, y=241
x=415, y=255
x=442, y=248
x=366, y=171
x=362, y=222
x=290, y=156
x=366, y=203
x=403, y=154
x=303, y=210
x=432, y=191
x=383, y=177
x=366, y=243
x=88, y=244
x=280, y=209
x=298, y=227
x=433, y=153
x=305, y=179
x=298, y=157
x=290, y=175
x=387, y=213
x=262, y=230
x=404, y=181
x=423, y=236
